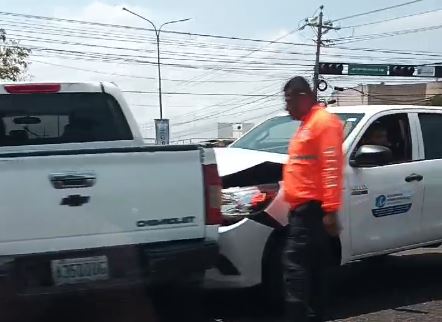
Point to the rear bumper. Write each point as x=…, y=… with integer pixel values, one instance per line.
x=129, y=266
x=167, y=262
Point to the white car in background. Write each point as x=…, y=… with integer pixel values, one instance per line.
x=391, y=195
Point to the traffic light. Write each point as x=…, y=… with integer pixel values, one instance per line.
x=401, y=70
x=331, y=68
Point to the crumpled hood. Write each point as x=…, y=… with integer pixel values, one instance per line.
x=232, y=160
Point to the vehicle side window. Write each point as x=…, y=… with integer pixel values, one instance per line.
x=431, y=125
x=393, y=132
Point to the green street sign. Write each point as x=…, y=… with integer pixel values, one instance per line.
x=368, y=70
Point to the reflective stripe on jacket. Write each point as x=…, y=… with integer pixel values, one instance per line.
x=314, y=168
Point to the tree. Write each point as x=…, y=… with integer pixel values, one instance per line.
x=13, y=59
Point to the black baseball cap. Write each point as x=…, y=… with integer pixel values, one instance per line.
x=298, y=85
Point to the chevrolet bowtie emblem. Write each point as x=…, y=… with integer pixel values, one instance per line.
x=75, y=200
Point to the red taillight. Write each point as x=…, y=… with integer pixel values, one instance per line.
x=32, y=88
x=265, y=195
x=212, y=184
x=258, y=198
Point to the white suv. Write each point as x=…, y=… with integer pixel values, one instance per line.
x=392, y=196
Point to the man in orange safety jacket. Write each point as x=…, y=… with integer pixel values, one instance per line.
x=313, y=187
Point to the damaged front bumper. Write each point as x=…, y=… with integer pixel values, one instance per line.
x=241, y=248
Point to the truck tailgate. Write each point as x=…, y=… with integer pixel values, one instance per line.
x=63, y=200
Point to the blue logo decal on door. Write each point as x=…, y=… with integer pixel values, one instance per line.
x=392, y=204
x=380, y=201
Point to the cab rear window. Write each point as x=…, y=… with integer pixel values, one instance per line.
x=34, y=119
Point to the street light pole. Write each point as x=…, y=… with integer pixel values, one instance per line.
x=157, y=34
x=159, y=75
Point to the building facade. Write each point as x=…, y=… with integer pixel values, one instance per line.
x=381, y=94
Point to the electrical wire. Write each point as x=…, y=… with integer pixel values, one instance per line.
x=197, y=94
x=249, y=53
x=167, y=31
x=209, y=58
x=365, y=37
x=26, y=37
x=187, y=133
x=152, y=78
x=391, y=19
x=148, y=29
x=377, y=10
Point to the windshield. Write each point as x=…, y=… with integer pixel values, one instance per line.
x=274, y=134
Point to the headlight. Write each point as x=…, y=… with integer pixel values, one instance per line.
x=242, y=202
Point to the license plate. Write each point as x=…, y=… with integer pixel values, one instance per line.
x=79, y=270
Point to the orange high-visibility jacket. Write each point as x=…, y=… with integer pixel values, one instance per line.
x=314, y=168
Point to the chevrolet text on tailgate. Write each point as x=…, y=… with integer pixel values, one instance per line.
x=85, y=204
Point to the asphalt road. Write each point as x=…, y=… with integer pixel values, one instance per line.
x=403, y=287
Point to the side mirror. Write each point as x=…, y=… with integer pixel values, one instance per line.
x=371, y=155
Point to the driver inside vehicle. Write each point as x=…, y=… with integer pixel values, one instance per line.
x=377, y=134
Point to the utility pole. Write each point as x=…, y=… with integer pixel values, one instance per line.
x=318, y=52
x=322, y=28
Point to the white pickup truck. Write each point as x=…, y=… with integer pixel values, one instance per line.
x=391, y=198
x=84, y=204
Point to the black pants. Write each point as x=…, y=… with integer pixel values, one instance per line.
x=306, y=259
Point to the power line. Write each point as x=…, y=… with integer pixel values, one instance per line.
x=198, y=94
x=136, y=60
x=216, y=115
x=199, y=60
x=174, y=53
x=232, y=106
x=180, y=33
x=212, y=114
x=151, y=78
x=147, y=29
x=386, y=34
x=184, y=133
x=239, y=71
x=391, y=19
x=391, y=51
x=228, y=114
x=44, y=40
x=383, y=51
x=252, y=52
x=377, y=10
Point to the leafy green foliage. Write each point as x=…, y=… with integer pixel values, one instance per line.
x=13, y=59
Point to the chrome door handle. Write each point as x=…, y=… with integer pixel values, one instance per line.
x=72, y=180
x=414, y=177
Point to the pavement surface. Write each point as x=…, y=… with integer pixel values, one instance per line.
x=404, y=287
